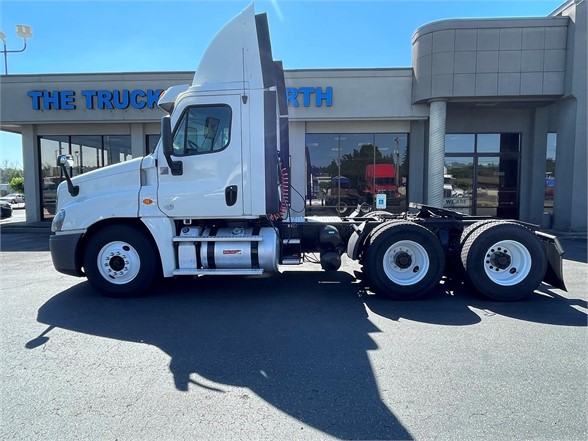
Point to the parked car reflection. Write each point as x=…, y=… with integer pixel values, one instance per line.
x=16, y=200
x=5, y=210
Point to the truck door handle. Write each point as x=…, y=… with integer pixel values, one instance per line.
x=231, y=195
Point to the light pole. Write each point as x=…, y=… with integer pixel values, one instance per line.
x=24, y=32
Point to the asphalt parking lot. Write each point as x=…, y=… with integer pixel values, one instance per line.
x=299, y=355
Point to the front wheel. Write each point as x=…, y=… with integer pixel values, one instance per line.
x=504, y=260
x=119, y=261
x=403, y=260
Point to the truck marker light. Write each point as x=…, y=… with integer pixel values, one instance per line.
x=147, y=201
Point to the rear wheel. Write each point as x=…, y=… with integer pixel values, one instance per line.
x=342, y=207
x=119, y=261
x=468, y=231
x=504, y=260
x=403, y=260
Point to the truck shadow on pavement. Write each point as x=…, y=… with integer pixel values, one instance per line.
x=299, y=340
x=455, y=304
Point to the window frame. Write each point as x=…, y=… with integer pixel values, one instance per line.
x=185, y=114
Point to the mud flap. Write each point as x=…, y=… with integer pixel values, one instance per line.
x=354, y=242
x=554, y=251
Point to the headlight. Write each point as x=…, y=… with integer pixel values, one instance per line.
x=58, y=220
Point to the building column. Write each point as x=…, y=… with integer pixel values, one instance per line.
x=532, y=170
x=138, y=148
x=32, y=170
x=436, y=157
x=569, y=201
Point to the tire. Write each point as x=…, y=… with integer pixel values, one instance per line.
x=456, y=268
x=403, y=260
x=504, y=261
x=467, y=232
x=365, y=208
x=342, y=207
x=120, y=261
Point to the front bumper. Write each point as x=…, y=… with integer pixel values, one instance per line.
x=64, y=253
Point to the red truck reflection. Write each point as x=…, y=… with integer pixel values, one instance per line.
x=381, y=178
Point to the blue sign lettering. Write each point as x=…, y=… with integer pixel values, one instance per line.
x=291, y=95
x=36, y=97
x=320, y=96
x=52, y=100
x=104, y=99
x=68, y=100
x=306, y=92
x=326, y=96
x=141, y=99
x=95, y=99
x=89, y=95
x=121, y=99
x=135, y=95
x=153, y=97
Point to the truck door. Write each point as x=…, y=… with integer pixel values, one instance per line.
x=208, y=181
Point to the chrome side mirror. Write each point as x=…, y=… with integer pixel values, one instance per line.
x=65, y=161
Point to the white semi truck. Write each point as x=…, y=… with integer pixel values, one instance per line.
x=212, y=200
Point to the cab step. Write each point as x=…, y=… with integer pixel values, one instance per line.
x=218, y=272
x=219, y=239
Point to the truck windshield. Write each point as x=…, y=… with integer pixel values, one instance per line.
x=384, y=181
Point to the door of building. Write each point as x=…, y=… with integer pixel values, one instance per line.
x=482, y=174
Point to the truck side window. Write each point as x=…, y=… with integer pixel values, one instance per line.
x=203, y=129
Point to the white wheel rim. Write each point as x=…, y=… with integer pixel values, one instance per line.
x=341, y=207
x=118, y=262
x=365, y=207
x=406, y=262
x=507, y=262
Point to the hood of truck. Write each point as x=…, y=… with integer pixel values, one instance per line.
x=111, y=191
x=108, y=171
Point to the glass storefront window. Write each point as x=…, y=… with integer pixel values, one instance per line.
x=345, y=171
x=488, y=181
x=151, y=142
x=488, y=143
x=550, y=172
x=482, y=173
x=458, y=183
x=117, y=149
x=510, y=142
x=88, y=152
x=394, y=151
x=460, y=143
x=50, y=148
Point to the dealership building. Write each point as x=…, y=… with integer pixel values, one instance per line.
x=492, y=110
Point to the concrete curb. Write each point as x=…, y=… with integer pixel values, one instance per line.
x=26, y=227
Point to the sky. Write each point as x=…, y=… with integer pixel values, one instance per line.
x=82, y=36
